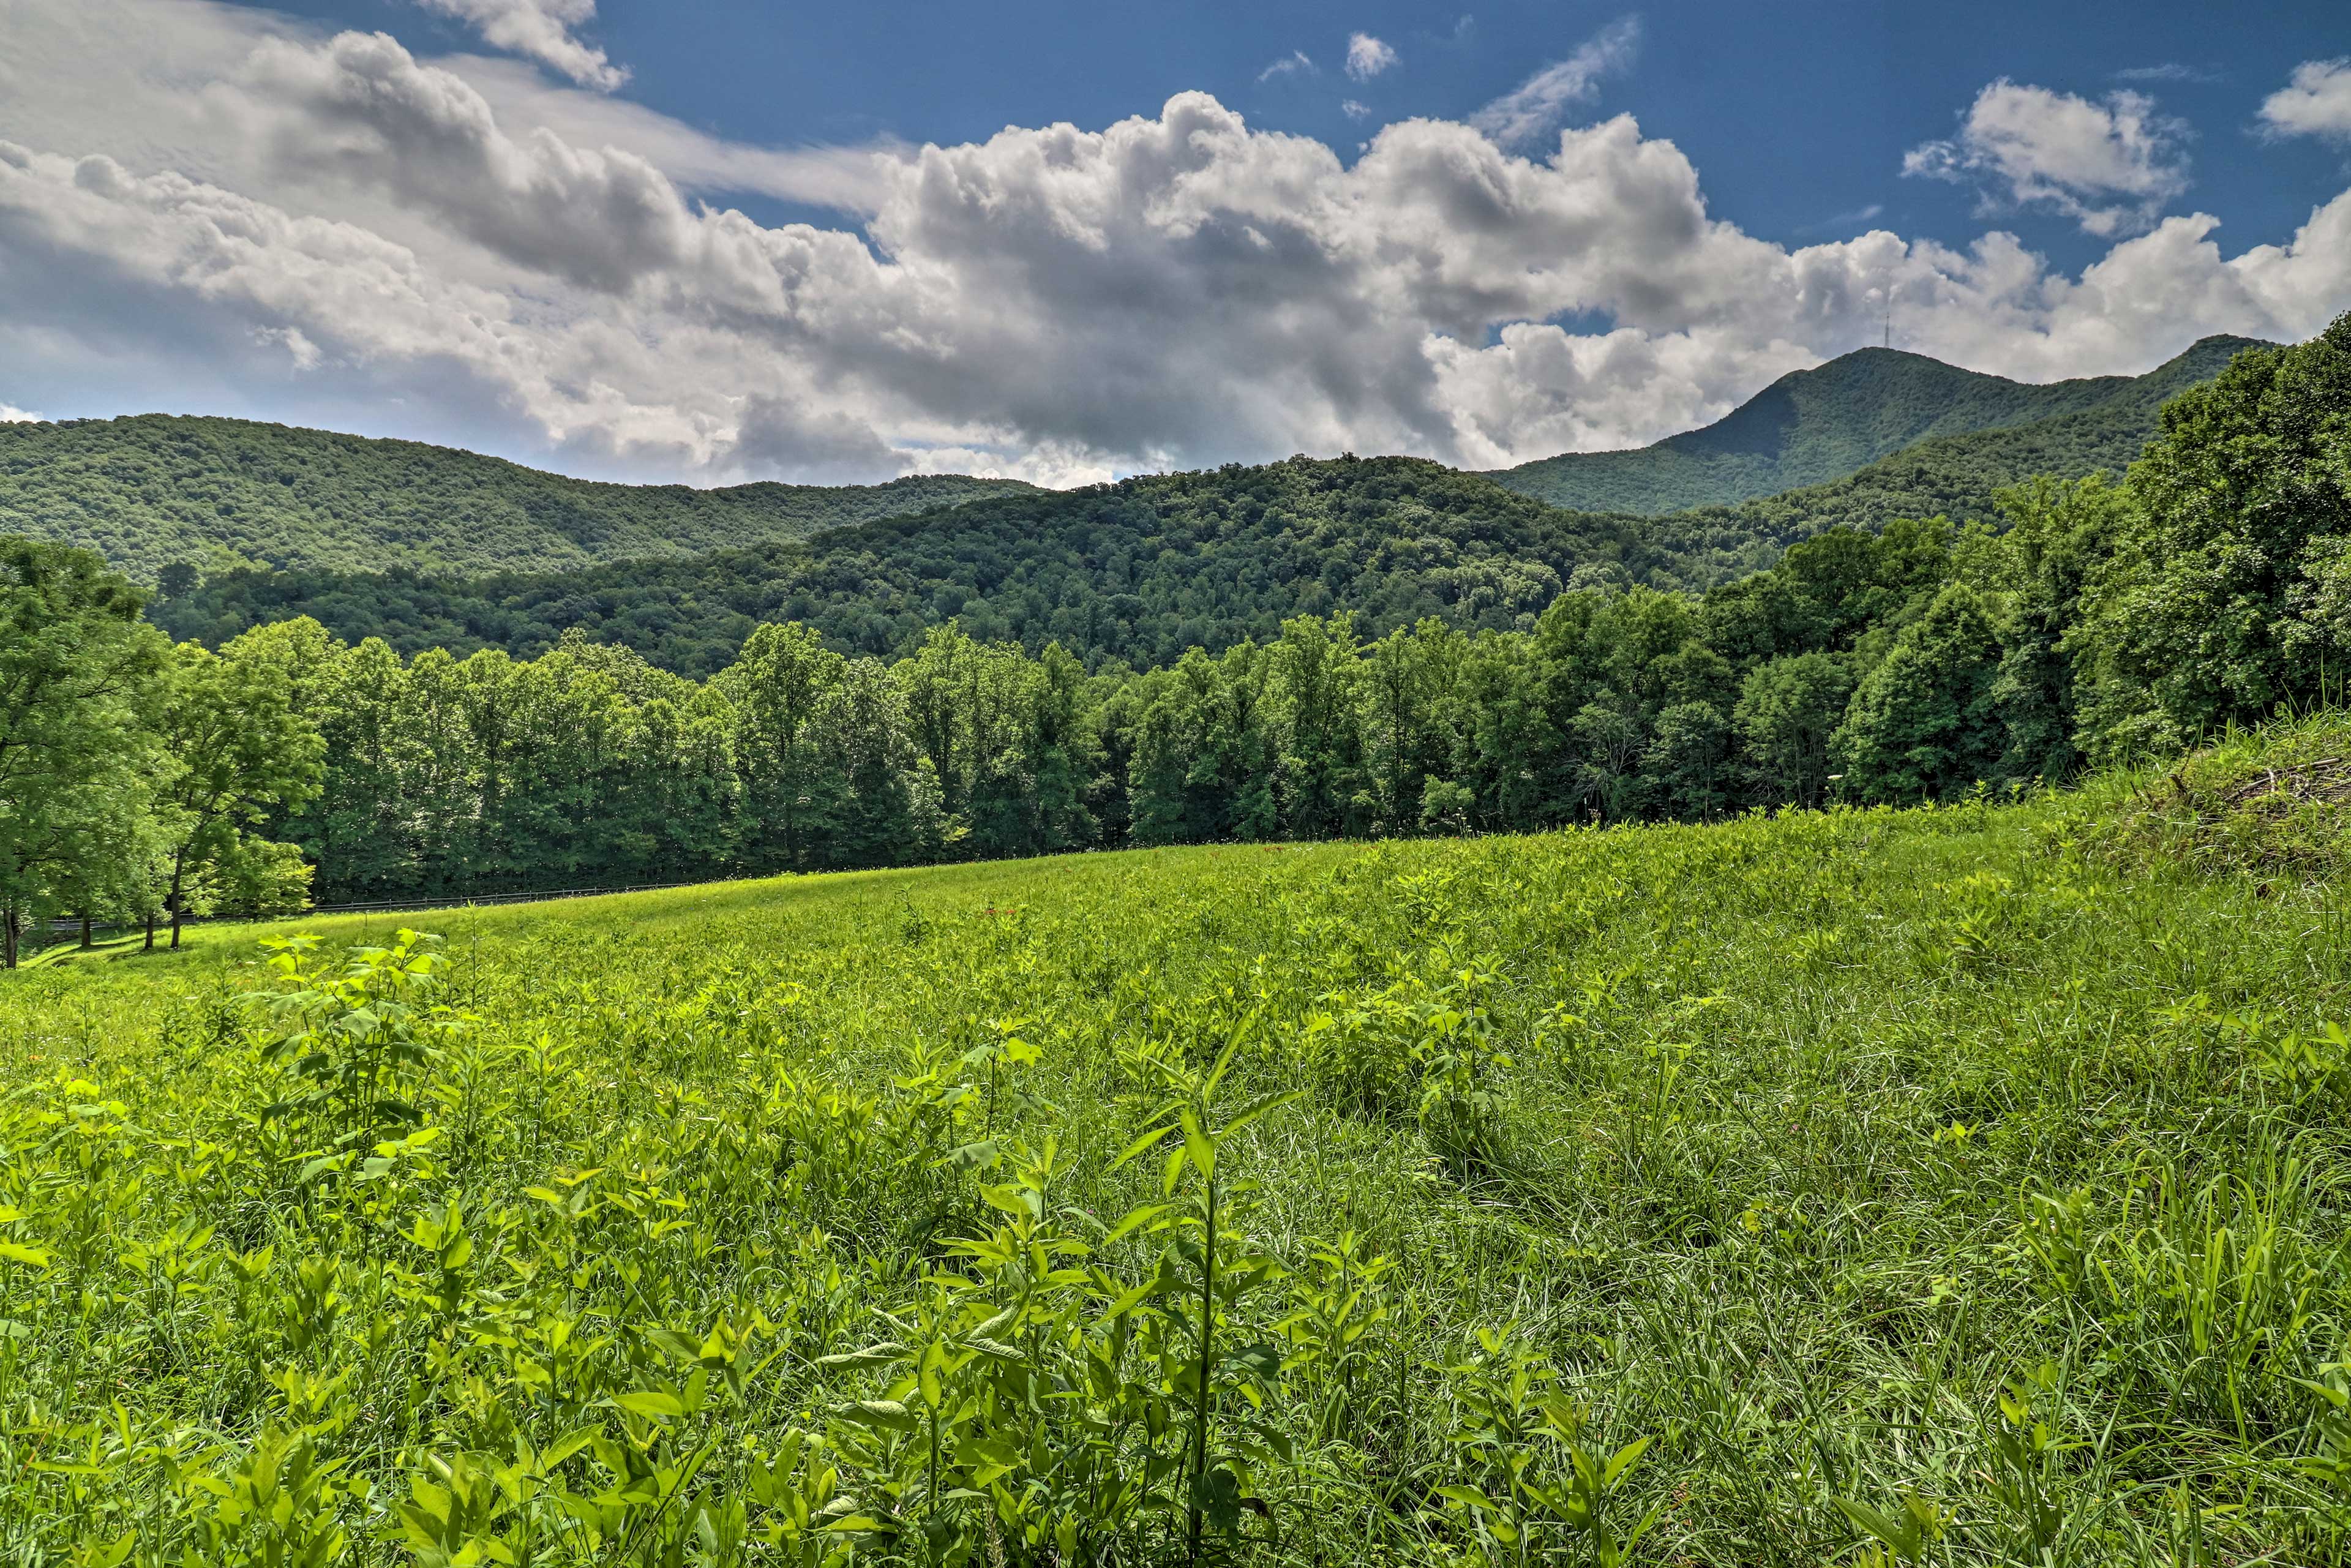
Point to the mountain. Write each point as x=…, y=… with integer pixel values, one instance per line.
x=1812, y=427
x=1139, y=570
x=1148, y=568
x=1953, y=476
x=1144, y=569
x=152, y=489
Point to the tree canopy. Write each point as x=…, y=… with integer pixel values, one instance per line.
x=1142, y=571
x=166, y=498
x=1298, y=650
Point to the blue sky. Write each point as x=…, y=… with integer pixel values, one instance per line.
x=1796, y=114
x=698, y=238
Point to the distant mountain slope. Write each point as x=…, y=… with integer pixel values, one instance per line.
x=152, y=489
x=1812, y=427
x=1143, y=570
x=1953, y=476
x=1139, y=570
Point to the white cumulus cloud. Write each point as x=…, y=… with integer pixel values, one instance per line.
x=2316, y=101
x=1290, y=64
x=1537, y=104
x=2113, y=167
x=1367, y=56
x=325, y=228
x=541, y=30
x=11, y=414
x=360, y=110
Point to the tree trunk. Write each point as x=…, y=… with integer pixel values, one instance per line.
x=85, y=933
x=179, y=881
x=150, y=931
x=8, y=937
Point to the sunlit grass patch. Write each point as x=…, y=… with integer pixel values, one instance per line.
x=1963, y=1185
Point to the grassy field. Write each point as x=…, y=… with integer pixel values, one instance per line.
x=1961, y=1185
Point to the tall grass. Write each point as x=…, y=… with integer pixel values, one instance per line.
x=1957, y=1186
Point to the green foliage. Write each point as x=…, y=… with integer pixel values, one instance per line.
x=1544, y=1493
x=1144, y=570
x=1942, y=1185
x=354, y=1034
x=1813, y=428
x=163, y=497
x=2227, y=589
x=132, y=775
x=1789, y=708
x=1139, y=571
x=236, y=753
x=1913, y=661
x=1923, y=723
x=77, y=699
x=1060, y=569
x=2277, y=803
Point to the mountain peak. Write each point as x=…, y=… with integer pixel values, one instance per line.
x=1814, y=426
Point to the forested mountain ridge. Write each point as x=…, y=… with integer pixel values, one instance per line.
x=1811, y=427
x=1139, y=570
x=1953, y=476
x=150, y=490
x=1144, y=569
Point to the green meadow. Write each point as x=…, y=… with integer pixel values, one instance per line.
x=1951, y=1184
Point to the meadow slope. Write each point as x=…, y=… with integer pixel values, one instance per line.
x=1971, y=1175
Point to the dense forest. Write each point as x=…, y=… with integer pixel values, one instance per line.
x=156, y=492
x=1144, y=570
x=169, y=499
x=1813, y=427
x=1139, y=571
x=2109, y=621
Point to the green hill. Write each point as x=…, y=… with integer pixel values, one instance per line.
x=1813, y=427
x=152, y=489
x=1953, y=476
x=1138, y=570
x=1142, y=570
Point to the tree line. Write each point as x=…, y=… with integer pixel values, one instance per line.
x=2107, y=622
x=1138, y=571
x=1145, y=569
x=134, y=773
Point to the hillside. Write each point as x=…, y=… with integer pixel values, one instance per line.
x=218, y=495
x=2007, y=1129
x=1954, y=476
x=1139, y=570
x=1142, y=570
x=152, y=489
x=1813, y=427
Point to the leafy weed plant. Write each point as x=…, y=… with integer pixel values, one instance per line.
x=1946, y=1186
